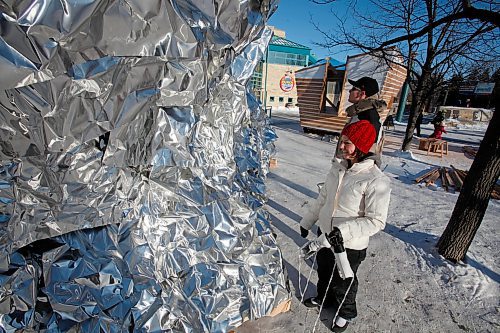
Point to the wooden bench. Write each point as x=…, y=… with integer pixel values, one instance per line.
x=434, y=146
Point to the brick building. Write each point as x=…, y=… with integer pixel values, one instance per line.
x=274, y=79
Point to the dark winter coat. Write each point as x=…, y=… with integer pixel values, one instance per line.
x=368, y=109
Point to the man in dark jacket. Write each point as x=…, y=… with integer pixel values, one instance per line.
x=366, y=106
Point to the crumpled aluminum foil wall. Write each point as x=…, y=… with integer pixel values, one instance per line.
x=133, y=158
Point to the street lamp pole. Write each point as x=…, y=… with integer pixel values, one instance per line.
x=402, y=101
x=265, y=84
x=406, y=88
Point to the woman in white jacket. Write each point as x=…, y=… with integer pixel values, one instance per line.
x=353, y=203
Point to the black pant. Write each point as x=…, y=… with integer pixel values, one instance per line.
x=418, y=123
x=338, y=287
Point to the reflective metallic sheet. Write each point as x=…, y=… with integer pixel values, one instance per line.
x=132, y=166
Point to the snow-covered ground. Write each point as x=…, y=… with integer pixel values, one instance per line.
x=405, y=286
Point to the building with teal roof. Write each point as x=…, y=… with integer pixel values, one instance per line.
x=274, y=80
x=285, y=52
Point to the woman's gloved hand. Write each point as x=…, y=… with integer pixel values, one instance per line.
x=335, y=237
x=304, y=232
x=311, y=247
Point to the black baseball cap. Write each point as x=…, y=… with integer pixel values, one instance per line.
x=367, y=84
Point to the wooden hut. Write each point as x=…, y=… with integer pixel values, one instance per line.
x=323, y=89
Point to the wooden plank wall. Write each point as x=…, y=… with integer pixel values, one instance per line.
x=309, y=94
x=323, y=121
x=392, y=85
x=309, y=97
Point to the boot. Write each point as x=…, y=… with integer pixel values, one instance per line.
x=340, y=324
x=312, y=302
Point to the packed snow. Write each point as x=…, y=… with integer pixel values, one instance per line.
x=405, y=285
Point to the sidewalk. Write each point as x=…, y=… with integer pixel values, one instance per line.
x=285, y=112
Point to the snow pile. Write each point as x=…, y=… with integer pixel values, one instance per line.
x=404, y=154
x=475, y=126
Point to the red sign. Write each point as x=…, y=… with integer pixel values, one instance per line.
x=287, y=83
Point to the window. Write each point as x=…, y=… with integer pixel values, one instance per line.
x=271, y=98
x=290, y=100
x=256, y=81
x=286, y=58
x=281, y=99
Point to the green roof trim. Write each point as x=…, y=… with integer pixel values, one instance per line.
x=279, y=44
x=278, y=41
x=287, y=49
x=312, y=59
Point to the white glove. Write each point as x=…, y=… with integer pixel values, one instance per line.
x=311, y=247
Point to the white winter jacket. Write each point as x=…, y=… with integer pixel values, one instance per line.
x=355, y=200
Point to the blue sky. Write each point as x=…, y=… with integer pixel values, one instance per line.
x=296, y=16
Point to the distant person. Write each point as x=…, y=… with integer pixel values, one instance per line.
x=352, y=206
x=438, y=131
x=419, y=122
x=366, y=106
x=389, y=121
x=439, y=117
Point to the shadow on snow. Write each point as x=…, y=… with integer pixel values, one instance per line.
x=426, y=242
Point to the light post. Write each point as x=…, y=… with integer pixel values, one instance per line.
x=406, y=88
x=265, y=84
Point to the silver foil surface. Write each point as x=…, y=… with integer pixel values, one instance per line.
x=132, y=166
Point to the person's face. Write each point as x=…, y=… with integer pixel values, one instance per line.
x=347, y=148
x=356, y=94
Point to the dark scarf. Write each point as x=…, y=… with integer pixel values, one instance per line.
x=366, y=104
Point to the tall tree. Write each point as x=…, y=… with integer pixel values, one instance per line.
x=475, y=194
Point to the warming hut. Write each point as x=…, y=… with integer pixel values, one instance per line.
x=323, y=89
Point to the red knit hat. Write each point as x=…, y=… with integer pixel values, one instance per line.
x=362, y=134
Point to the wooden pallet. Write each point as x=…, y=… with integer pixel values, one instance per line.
x=273, y=163
x=469, y=151
x=450, y=179
x=281, y=308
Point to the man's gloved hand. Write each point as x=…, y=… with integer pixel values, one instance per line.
x=311, y=247
x=304, y=232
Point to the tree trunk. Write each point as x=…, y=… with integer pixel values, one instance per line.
x=412, y=120
x=474, y=196
x=417, y=106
